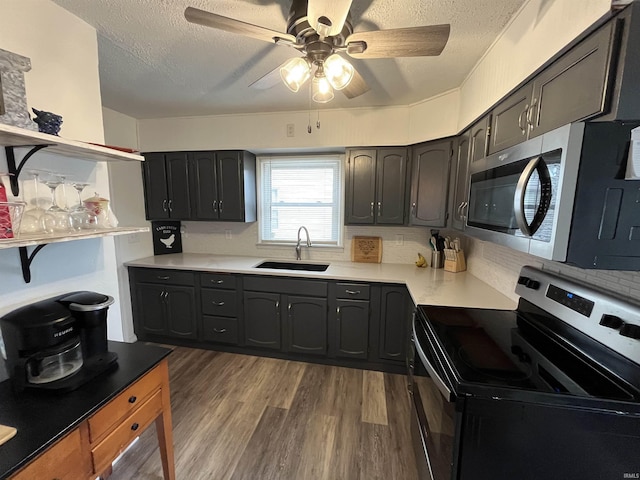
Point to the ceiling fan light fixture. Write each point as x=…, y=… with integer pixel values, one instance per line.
x=338, y=71
x=321, y=90
x=295, y=72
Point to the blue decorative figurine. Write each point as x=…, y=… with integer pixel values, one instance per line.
x=47, y=122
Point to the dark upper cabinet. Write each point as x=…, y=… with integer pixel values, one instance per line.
x=509, y=120
x=224, y=187
x=429, y=182
x=375, y=187
x=352, y=329
x=166, y=186
x=459, y=174
x=395, y=313
x=306, y=325
x=479, y=139
x=262, y=323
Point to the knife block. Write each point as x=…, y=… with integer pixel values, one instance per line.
x=454, y=260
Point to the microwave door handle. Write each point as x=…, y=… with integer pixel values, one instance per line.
x=446, y=392
x=535, y=165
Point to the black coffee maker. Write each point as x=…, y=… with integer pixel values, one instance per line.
x=59, y=343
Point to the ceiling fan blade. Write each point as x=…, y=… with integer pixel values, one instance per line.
x=208, y=19
x=399, y=42
x=356, y=87
x=334, y=10
x=269, y=80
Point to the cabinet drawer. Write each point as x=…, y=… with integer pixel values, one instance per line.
x=219, y=302
x=291, y=286
x=218, y=280
x=104, y=453
x=63, y=461
x=355, y=291
x=121, y=406
x=169, y=277
x=220, y=329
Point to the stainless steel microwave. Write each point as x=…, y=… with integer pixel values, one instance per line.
x=561, y=196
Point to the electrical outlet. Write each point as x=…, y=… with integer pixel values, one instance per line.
x=291, y=130
x=228, y=235
x=399, y=239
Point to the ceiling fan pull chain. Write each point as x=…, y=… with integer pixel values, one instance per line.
x=309, y=125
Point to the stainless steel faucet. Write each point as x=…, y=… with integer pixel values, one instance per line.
x=298, y=247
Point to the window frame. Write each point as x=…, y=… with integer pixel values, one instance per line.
x=340, y=157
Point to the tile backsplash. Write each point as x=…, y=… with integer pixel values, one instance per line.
x=499, y=267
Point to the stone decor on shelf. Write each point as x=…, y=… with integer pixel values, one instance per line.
x=13, y=96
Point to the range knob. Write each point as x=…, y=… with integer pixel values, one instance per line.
x=611, y=321
x=630, y=330
x=529, y=283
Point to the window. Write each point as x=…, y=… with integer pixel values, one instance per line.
x=296, y=191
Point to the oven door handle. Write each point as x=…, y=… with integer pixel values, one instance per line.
x=535, y=165
x=444, y=390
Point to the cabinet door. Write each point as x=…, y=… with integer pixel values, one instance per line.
x=204, y=185
x=149, y=315
x=307, y=325
x=361, y=187
x=394, y=322
x=156, y=196
x=429, y=187
x=230, y=185
x=391, y=172
x=576, y=86
x=479, y=139
x=461, y=182
x=262, y=319
x=352, y=329
x=178, y=185
x=509, y=120
x=180, y=304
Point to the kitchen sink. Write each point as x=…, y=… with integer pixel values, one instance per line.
x=309, y=267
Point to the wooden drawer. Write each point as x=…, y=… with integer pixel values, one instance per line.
x=220, y=329
x=63, y=461
x=164, y=277
x=121, y=406
x=218, y=280
x=354, y=291
x=104, y=453
x=219, y=302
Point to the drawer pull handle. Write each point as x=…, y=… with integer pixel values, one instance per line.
x=217, y=281
x=352, y=292
x=218, y=304
x=134, y=427
x=166, y=277
x=132, y=399
x=219, y=330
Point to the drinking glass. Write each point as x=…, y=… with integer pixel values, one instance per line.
x=56, y=219
x=82, y=217
x=32, y=217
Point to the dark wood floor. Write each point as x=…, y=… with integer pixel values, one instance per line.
x=245, y=417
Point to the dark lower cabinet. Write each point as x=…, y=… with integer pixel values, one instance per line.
x=262, y=320
x=395, y=312
x=352, y=329
x=165, y=310
x=306, y=325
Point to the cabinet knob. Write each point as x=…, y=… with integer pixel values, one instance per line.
x=166, y=277
x=372, y=209
x=132, y=399
x=217, y=282
x=215, y=206
x=134, y=427
x=219, y=330
x=379, y=208
x=218, y=304
x=530, y=113
x=171, y=205
x=521, y=119
x=220, y=206
x=164, y=205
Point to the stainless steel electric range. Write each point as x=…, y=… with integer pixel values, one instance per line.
x=548, y=391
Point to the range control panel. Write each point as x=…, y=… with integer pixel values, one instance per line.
x=570, y=300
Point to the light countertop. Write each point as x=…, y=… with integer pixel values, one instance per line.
x=426, y=286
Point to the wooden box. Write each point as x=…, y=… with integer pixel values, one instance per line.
x=366, y=249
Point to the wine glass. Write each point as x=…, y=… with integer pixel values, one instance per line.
x=56, y=219
x=82, y=217
x=32, y=217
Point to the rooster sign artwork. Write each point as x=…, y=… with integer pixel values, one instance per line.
x=166, y=237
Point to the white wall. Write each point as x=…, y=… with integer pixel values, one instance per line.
x=64, y=79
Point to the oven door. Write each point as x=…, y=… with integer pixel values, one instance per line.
x=433, y=413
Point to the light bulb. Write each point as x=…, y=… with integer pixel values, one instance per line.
x=339, y=72
x=321, y=90
x=295, y=72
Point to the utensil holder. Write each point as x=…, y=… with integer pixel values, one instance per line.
x=454, y=260
x=437, y=260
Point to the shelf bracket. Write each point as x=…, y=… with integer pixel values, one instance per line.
x=14, y=172
x=26, y=259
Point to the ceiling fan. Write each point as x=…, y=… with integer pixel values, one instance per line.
x=321, y=30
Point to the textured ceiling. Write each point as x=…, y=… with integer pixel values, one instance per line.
x=153, y=63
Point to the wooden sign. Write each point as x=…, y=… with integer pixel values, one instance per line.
x=366, y=249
